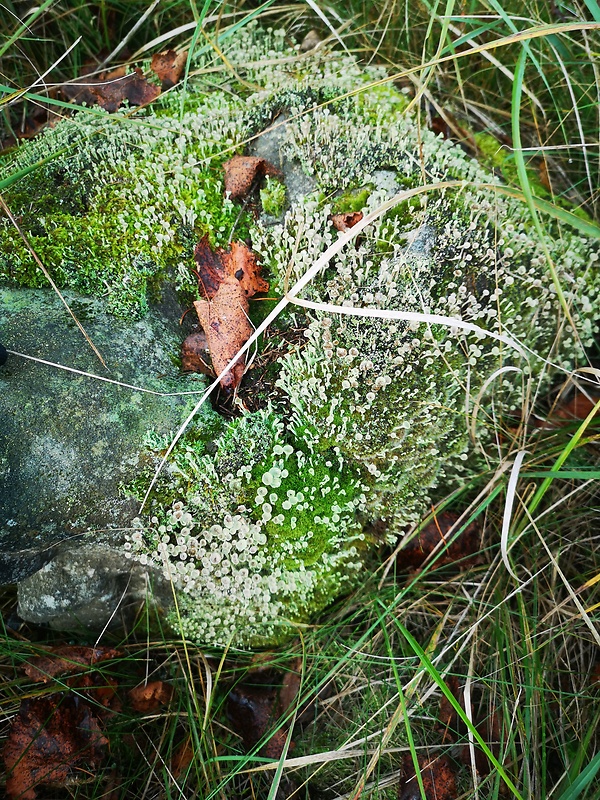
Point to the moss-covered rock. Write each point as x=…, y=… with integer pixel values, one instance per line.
x=265, y=525
x=69, y=442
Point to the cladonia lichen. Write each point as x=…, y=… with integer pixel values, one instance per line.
x=270, y=523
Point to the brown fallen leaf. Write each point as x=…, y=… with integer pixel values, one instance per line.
x=343, y=222
x=256, y=705
x=110, y=90
x=578, y=406
x=433, y=537
x=226, y=279
x=182, y=757
x=195, y=355
x=439, y=780
x=65, y=659
x=448, y=718
x=454, y=729
x=168, y=67
x=150, y=696
x=50, y=736
x=242, y=171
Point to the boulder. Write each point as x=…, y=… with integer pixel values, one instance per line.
x=72, y=445
x=440, y=317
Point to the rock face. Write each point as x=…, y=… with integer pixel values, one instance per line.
x=90, y=588
x=69, y=444
x=442, y=304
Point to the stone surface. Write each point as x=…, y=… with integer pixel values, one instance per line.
x=270, y=146
x=90, y=588
x=69, y=443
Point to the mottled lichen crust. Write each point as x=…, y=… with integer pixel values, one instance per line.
x=267, y=526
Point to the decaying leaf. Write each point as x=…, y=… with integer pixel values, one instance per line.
x=110, y=90
x=454, y=729
x=343, y=222
x=226, y=279
x=439, y=780
x=576, y=407
x=255, y=706
x=64, y=660
x=182, y=757
x=195, y=355
x=150, y=696
x=434, y=536
x=242, y=171
x=50, y=736
x=168, y=67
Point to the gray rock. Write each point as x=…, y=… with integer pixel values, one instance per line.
x=69, y=444
x=90, y=588
x=270, y=146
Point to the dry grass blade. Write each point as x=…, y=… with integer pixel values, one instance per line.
x=511, y=491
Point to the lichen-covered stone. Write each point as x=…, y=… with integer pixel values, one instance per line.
x=267, y=524
x=69, y=443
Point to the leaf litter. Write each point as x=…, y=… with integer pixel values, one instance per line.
x=111, y=89
x=226, y=280
x=55, y=736
x=50, y=736
x=256, y=706
x=242, y=173
x=442, y=536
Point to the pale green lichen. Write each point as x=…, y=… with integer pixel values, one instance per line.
x=268, y=526
x=263, y=533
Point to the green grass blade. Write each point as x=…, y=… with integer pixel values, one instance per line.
x=571, y=445
x=594, y=9
x=583, y=780
x=25, y=26
x=524, y=180
x=437, y=678
x=404, y=711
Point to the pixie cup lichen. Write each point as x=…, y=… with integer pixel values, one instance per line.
x=269, y=520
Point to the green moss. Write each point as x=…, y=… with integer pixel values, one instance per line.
x=259, y=492
x=112, y=217
x=272, y=197
x=351, y=201
x=494, y=156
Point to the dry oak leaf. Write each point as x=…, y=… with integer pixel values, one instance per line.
x=242, y=171
x=168, y=67
x=226, y=279
x=343, y=222
x=150, y=696
x=439, y=780
x=50, y=736
x=111, y=89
